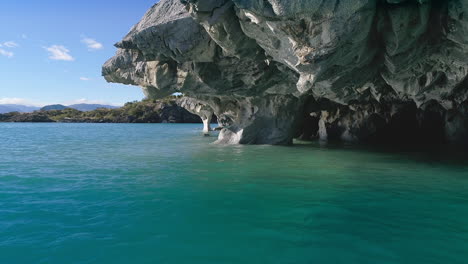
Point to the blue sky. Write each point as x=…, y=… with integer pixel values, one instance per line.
x=51, y=51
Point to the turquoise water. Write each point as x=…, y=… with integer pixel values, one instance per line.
x=161, y=193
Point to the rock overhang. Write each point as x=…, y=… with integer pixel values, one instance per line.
x=256, y=55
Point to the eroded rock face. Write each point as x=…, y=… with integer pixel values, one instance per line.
x=274, y=69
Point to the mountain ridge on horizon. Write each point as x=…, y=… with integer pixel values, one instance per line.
x=7, y=108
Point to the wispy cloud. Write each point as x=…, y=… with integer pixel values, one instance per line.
x=7, y=54
x=24, y=36
x=85, y=79
x=20, y=101
x=92, y=44
x=9, y=44
x=87, y=101
x=58, y=52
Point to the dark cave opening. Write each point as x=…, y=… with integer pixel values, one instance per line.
x=396, y=123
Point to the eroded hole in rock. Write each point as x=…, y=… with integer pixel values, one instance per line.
x=307, y=125
x=432, y=123
x=422, y=80
x=399, y=123
x=309, y=128
x=320, y=120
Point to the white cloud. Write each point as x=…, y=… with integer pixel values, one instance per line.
x=92, y=44
x=5, y=53
x=10, y=44
x=85, y=79
x=24, y=36
x=20, y=101
x=58, y=52
x=87, y=101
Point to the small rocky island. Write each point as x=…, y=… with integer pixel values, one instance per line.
x=146, y=111
x=367, y=71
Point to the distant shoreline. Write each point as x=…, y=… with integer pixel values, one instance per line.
x=146, y=111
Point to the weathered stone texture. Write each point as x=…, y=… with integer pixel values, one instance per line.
x=260, y=64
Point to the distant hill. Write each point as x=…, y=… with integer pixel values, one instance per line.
x=147, y=111
x=7, y=108
x=91, y=107
x=54, y=107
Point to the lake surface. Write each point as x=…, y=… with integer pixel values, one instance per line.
x=161, y=193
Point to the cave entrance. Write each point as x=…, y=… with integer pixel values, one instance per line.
x=395, y=124
x=313, y=120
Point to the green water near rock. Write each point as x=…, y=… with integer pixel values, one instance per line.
x=161, y=193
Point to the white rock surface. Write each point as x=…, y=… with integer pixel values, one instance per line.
x=255, y=64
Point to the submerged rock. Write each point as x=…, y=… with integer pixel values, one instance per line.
x=356, y=70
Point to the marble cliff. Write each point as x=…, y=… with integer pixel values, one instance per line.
x=272, y=70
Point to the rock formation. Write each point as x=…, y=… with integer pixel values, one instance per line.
x=271, y=70
x=203, y=111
